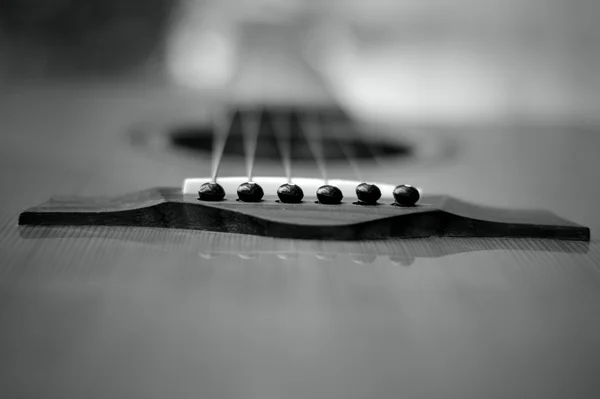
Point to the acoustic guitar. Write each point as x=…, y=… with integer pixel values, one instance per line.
x=131, y=291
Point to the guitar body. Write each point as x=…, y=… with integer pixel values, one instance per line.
x=150, y=312
x=126, y=312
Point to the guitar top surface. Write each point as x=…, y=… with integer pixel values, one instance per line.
x=139, y=312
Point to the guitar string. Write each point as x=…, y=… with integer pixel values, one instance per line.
x=282, y=129
x=347, y=150
x=369, y=147
x=222, y=123
x=310, y=126
x=250, y=125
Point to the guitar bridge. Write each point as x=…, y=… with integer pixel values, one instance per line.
x=432, y=216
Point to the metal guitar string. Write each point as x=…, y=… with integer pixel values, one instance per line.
x=347, y=150
x=313, y=133
x=221, y=125
x=251, y=122
x=283, y=132
x=369, y=147
x=250, y=126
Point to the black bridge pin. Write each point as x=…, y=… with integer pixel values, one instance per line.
x=406, y=195
x=211, y=191
x=250, y=192
x=329, y=195
x=290, y=193
x=368, y=193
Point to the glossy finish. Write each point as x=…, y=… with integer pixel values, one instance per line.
x=211, y=191
x=250, y=192
x=290, y=193
x=368, y=193
x=406, y=195
x=329, y=195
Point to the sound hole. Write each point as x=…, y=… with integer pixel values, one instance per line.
x=338, y=133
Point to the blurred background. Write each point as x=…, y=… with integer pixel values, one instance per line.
x=448, y=60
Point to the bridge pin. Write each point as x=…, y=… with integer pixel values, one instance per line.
x=406, y=195
x=368, y=193
x=290, y=193
x=211, y=191
x=329, y=195
x=250, y=192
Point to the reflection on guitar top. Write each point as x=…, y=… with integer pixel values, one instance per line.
x=210, y=246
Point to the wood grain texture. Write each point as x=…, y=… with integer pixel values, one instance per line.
x=133, y=312
x=439, y=216
x=208, y=245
